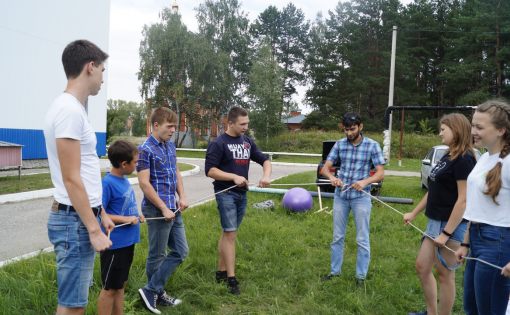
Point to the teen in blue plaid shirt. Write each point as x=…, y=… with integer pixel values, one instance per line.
x=356, y=155
x=160, y=180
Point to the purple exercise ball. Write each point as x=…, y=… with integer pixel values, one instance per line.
x=297, y=200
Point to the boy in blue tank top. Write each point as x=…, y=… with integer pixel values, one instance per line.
x=120, y=203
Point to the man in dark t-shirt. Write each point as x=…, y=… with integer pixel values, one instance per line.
x=227, y=161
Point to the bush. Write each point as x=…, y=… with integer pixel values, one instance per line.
x=415, y=146
x=317, y=120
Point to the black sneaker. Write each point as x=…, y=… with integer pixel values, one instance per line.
x=360, y=282
x=149, y=299
x=167, y=300
x=221, y=276
x=418, y=313
x=329, y=276
x=233, y=286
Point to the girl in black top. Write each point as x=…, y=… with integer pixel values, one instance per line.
x=445, y=204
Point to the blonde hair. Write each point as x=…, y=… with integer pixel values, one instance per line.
x=461, y=130
x=499, y=112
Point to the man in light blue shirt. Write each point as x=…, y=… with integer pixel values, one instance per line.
x=356, y=155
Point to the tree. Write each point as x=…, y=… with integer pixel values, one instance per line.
x=286, y=32
x=225, y=27
x=164, y=62
x=265, y=90
x=118, y=114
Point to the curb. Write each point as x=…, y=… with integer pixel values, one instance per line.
x=44, y=193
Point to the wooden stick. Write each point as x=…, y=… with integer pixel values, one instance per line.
x=320, y=198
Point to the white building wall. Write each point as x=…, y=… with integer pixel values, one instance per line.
x=34, y=34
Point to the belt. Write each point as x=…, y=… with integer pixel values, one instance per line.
x=63, y=207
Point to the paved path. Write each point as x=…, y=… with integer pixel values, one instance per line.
x=23, y=224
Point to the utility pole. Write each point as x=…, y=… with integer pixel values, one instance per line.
x=387, y=133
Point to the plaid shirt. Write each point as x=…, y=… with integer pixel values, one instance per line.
x=161, y=160
x=355, y=162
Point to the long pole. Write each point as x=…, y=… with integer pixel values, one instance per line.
x=401, y=137
x=387, y=133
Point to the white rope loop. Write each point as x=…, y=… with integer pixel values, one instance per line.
x=344, y=189
x=430, y=237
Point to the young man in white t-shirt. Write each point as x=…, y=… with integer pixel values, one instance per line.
x=73, y=224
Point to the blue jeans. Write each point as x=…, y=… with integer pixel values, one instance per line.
x=162, y=234
x=361, y=208
x=74, y=257
x=232, y=207
x=486, y=291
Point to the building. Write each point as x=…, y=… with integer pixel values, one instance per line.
x=34, y=34
x=295, y=121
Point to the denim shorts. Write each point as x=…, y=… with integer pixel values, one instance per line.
x=232, y=207
x=74, y=256
x=435, y=227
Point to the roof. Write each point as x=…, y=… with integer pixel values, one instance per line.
x=9, y=144
x=294, y=119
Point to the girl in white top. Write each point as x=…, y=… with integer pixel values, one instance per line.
x=486, y=290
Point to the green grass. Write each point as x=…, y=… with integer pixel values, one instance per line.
x=410, y=165
x=12, y=184
x=280, y=258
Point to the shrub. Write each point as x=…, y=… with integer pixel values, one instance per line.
x=414, y=145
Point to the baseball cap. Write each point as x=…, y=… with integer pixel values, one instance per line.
x=350, y=119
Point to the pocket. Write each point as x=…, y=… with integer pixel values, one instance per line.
x=149, y=211
x=489, y=234
x=58, y=235
x=159, y=162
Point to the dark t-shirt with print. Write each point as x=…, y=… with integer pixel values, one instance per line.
x=443, y=191
x=232, y=155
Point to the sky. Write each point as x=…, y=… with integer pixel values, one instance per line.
x=127, y=18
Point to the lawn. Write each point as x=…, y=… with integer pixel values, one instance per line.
x=408, y=164
x=12, y=184
x=281, y=257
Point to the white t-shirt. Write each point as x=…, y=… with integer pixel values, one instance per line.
x=67, y=118
x=479, y=206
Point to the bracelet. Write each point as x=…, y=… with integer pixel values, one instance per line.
x=464, y=245
x=447, y=234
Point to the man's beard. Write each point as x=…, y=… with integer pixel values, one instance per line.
x=353, y=138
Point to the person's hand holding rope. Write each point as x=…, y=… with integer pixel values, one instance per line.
x=440, y=240
x=359, y=185
x=168, y=214
x=264, y=182
x=337, y=182
x=240, y=181
x=183, y=204
x=409, y=217
x=461, y=253
x=506, y=270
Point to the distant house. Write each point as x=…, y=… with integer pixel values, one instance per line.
x=10, y=155
x=294, y=121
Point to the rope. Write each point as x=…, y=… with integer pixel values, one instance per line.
x=430, y=237
x=179, y=209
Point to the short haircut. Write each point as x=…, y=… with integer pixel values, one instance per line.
x=121, y=151
x=350, y=119
x=235, y=112
x=78, y=53
x=163, y=114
